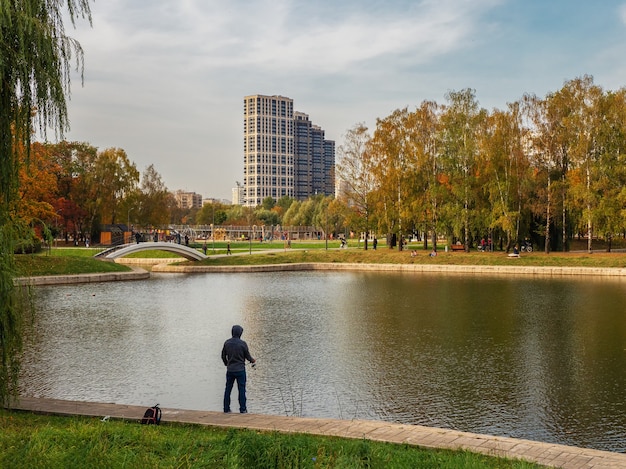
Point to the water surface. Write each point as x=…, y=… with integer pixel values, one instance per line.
x=529, y=357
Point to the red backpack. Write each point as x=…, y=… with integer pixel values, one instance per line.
x=152, y=415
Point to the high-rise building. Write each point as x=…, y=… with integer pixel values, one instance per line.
x=284, y=152
x=314, y=159
x=268, y=148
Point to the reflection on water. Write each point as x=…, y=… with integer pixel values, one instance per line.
x=535, y=358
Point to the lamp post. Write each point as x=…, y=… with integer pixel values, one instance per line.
x=326, y=230
x=213, y=229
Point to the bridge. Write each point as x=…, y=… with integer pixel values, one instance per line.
x=125, y=249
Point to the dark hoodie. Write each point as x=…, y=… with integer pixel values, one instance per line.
x=235, y=351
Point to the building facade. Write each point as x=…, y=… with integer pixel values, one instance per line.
x=188, y=199
x=268, y=148
x=285, y=154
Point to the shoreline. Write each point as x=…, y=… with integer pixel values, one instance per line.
x=164, y=266
x=410, y=268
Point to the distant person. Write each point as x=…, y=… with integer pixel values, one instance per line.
x=186, y=240
x=375, y=242
x=433, y=253
x=234, y=355
x=156, y=236
x=228, y=248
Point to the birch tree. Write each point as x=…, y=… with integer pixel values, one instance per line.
x=356, y=177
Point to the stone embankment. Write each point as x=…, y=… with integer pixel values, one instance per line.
x=135, y=274
x=424, y=268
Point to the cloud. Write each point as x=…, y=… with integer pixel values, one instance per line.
x=164, y=79
x=622, y=13
x=268, y=34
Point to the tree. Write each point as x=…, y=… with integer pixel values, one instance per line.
x=34, y=80
x=37, y=187
x=113, y=178
x=390, y=154
x=74, y=161
x=268, y=203
x=460, y=120
x=152, y=199
x=505, y=170
x=355, y=172
x=423, y=176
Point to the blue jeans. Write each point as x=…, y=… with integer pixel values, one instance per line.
x=231, y=376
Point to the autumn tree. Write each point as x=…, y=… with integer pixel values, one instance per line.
x=36, y=60
x=389, y=155
x=504, y=171
x=113, y=178
x=460, y=120
x=151, y=199
x=37, y=187
x=424, y=183
x=609, y=187
x=355, y=170
x=73, y=205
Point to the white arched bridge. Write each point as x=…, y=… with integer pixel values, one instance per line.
x=125, y=249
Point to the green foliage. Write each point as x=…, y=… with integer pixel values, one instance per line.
x=268, y=203
x=35, y=63
x=268, y=217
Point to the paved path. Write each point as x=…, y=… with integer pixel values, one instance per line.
x=553, y=455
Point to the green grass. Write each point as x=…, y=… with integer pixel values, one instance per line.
x=37, y=441
x=70, y=261
x=29, y=265
x=387, y=256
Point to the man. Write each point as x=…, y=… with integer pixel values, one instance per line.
x=234, y=355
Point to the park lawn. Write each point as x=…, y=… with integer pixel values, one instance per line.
x=33, y=265
x=37, y=441
x=71, y=261
x=387, y=256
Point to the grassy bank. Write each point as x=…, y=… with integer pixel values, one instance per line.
x=38, y=441
x=69, y=261
x=61, y=262
x=387, y=256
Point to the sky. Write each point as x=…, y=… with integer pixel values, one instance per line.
x=165, y=79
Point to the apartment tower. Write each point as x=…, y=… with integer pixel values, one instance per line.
x=284, y=152
x=268, y=148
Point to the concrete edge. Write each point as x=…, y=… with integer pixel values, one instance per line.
x=549, y=454
x=134, y=274
x=416, y=268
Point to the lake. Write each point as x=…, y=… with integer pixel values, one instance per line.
x=541, y=358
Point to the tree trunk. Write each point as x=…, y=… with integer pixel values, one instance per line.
x=589, y=225
x=547, y=244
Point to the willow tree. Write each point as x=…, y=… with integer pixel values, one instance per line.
x=36, y=59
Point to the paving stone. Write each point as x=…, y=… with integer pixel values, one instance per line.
x=567, y=457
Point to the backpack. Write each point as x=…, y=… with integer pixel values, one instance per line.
x=152, y=415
